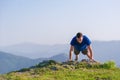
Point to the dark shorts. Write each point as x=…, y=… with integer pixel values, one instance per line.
x=83, y=52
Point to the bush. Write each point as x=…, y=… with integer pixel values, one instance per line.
x=81, y=65
x=24, y=69
x=46, y=63
x=109, y=65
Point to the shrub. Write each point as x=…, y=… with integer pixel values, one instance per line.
x=24, y=69
x=109, y=65
x=46, y=63
x=81, y=65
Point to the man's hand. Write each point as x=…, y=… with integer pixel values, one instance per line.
x=92, y=60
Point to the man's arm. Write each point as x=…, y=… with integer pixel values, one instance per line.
x=91, y=52
x=70, y=52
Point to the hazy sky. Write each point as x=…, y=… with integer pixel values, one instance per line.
x=57, y=21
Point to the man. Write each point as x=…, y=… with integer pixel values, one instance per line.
x=80, y=43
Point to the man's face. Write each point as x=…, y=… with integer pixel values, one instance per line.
x=80, y=39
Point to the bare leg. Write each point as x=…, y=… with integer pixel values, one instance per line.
x=76, y=59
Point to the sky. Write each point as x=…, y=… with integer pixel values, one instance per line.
x=57, y=21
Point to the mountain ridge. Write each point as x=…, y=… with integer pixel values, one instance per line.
x=103, y=51
x=10, y=62
x=46, y=51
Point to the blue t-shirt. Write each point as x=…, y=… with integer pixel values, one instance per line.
x=80, y=46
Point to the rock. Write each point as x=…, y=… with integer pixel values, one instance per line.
x=88, y=61
x=71, y=62
x=54, y=68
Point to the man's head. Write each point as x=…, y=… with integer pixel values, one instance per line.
x=79, y=37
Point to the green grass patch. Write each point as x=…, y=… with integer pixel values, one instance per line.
x=56, y=71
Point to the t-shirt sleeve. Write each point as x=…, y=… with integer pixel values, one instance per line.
x=72, y=41
x=88, y=41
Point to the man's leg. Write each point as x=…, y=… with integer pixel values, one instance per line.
x=76, y=59
x=77, y=54
x=87, y=52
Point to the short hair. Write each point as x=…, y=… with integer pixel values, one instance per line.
x=79, y=34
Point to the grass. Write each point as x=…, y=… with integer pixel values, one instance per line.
x=77, y=74
x=59, y=72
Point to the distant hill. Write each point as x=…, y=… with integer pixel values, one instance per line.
x=35, y=50
x=106, y=50
x=103, y=50
x=10, y=62
x=60, y=57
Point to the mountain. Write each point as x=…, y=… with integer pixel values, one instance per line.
x=35, y=50
x=60, y=57
x=103, y=50
x=10, y=62
x=106, y=50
